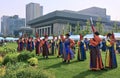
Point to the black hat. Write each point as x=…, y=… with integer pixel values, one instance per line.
x=109, y=34
x=96, y=33
x=67, y=34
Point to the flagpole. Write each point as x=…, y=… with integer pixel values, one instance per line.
x=92, y=26
x=91, y=20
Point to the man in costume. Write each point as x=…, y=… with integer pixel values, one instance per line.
x=110, y=59
x=45, y=47
x=20, y=44
x=95, y=55
x=38, y=44
x=61, y=47
x=81, y=49
x=69, y=43
x=53, y=45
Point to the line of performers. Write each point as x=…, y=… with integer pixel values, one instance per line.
x=65, y=49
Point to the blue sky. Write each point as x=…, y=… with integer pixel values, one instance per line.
x=12, y=7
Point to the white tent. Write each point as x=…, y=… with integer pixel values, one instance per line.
x=50, y=37
x=117, y=35
x=1, y=38
x=16, y=39
x=75, y=37
x=9, y=38
x=91, y=36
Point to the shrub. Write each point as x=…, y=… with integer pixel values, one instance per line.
x=10, y=58
x=1, y=59
x=33, y=61
x=24, y=56
x=2, y=71
x=21, y=71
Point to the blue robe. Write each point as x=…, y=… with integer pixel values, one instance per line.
x=81, y=52
x=110, y=59
x=68, y=50
x=103, y=46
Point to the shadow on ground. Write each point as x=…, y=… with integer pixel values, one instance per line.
x=86, y=73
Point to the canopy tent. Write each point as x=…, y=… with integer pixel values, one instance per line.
x=9, y=39
x=16, y=39
x=1, y=38
x=75, y=37
x=117, y=35
x=91, y=36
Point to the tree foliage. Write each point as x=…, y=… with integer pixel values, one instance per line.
x=77, y=28
x=87, y=28
x=115, y=27
x=99, y=26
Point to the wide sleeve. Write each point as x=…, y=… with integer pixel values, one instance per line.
x=97, y=39
x=108, y=43
x=78, y=43
x=41, y=43
x=93, y=43
x=72, y=43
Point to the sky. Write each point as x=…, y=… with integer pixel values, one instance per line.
x=17, y=7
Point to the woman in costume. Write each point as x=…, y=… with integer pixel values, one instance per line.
x=95, y=55
x=68, y=43
x=81, y=50
x=110, y=59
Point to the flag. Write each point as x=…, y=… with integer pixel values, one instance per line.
x=92, y=26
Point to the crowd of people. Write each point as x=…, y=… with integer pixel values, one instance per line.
x=64, y=47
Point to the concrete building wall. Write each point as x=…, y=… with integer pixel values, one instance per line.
x=59, y=28
x=33, y=10
x=10, y=24
x=94, y=11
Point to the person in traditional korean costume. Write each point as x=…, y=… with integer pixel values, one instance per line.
x=81, y=49
x=103, y=45
x=61, y=47
x=86, y=41
x=45, y=47
x=95, y=55
x=53, y=45
x=68, y=43
x=20, y=45
x=110, y=58
x=38, y=44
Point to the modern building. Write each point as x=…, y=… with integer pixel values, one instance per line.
x=55, y=22
x=33, y=10
x=10, y=23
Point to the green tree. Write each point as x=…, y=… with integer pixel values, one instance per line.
x=99, y=26
x=115, y=27
x=68, y=28
x=77, y=28
x=87, y=28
